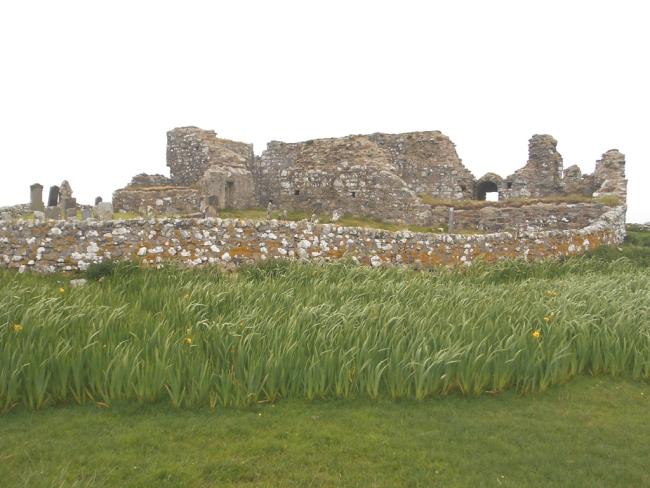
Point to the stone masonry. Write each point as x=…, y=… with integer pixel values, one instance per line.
x=48, y=246
x=392, y=177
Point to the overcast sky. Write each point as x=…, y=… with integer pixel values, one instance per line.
x=88, y=89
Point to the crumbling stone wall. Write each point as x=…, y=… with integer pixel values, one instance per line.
x=66, y=246
x=609, y=176
x=428, y=163
x=191, y=151
x=393, y=177
x=575, y=183
x=542, y=174
x=172, y=200
x=353, y=174
x=536, y=217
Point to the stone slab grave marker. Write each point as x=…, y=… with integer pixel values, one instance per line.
x=98, y=200
x=104, y=211
x=68, y=203
x=36, y=197
x=53, y=198
x=86, y=213
x=53, y=213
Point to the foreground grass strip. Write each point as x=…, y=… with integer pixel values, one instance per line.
x=207, y=338
x=589, y=433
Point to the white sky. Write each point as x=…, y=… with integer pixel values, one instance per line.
x=88, y=89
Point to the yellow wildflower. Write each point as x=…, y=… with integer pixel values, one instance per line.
x=552, y=293
x=537, y=334
x=61, y=290
x=548, y=318
x=188, y=340
x=17, y=328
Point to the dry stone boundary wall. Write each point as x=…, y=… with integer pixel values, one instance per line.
x=68, y=245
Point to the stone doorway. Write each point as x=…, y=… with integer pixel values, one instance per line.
x=487, y=190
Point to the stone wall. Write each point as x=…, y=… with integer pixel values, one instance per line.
x=172, y=200
x=542, y=174
x=538, y=217
x=352, y=174
x=191, y=151
x=428, y=163
x=391, y=177
x=66, y=246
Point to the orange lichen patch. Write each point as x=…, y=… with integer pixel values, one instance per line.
x=243, y=251
x=272, y=245
x=336, y=254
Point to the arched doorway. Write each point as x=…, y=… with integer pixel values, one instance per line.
x=487, y=187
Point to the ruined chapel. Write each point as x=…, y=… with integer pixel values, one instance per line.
x=395, y=177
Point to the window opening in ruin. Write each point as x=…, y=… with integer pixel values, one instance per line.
x=296, y=192
x=486, y=188
x=509, y=185
x=230, y=190
x=354, y=194
x=463, y=188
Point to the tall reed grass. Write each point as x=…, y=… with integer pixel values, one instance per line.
x=208, y=338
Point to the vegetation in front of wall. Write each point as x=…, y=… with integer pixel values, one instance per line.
x=208, y=338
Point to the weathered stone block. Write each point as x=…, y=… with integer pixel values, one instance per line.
x=104, y=211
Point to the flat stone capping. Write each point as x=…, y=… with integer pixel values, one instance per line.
x=50, y=246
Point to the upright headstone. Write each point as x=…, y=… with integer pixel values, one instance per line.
x=36, y=197
x=71, y=212
x=450, y=221
x=53, y=198
x=86, y=213
x=98, y=200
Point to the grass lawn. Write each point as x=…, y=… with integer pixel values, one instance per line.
x=591, y=432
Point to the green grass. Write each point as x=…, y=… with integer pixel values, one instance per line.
x=349, y=376
x=590, y=433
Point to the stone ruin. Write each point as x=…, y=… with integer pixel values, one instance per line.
x=414, y=178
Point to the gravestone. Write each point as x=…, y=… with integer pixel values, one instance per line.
x=86, y=213
x=104, y=211
x=65, y=190
x=53, y=198
x=36, y=197
x=68, y=202
x=98, y=200
x=53, y=213
x=71, y=212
